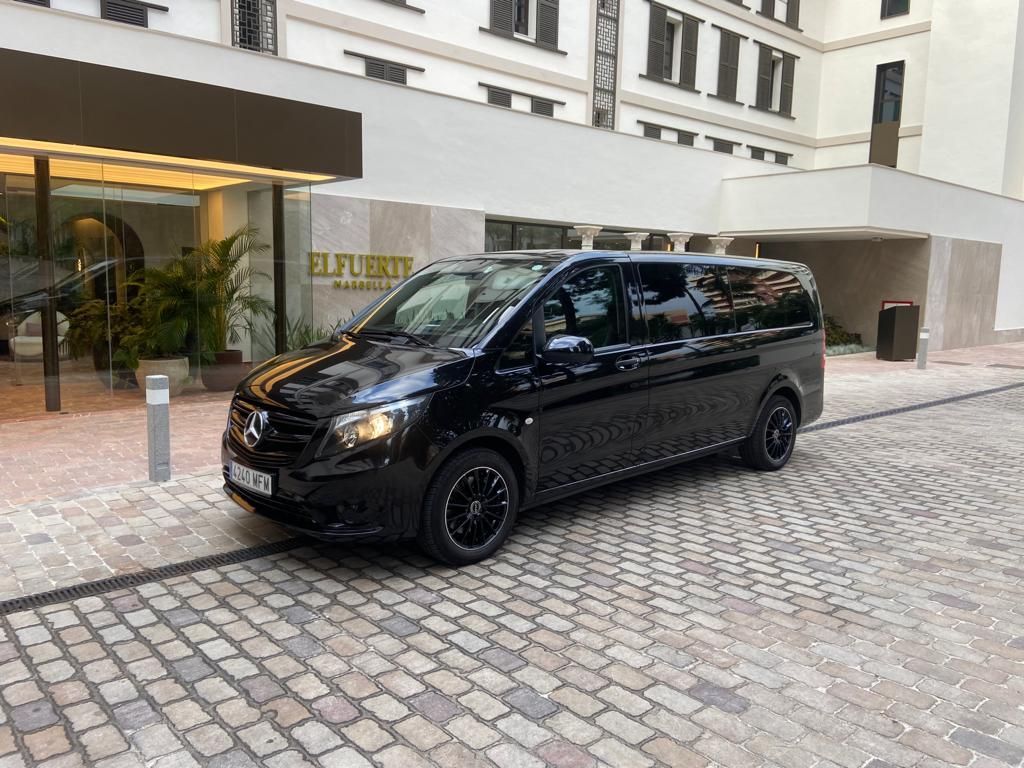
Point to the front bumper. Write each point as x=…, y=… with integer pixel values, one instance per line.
x=373, y=497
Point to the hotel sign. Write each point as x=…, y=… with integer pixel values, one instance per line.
x=360, y=271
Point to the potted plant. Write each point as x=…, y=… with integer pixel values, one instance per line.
x=167, y=307
x=224, y=279
x=97, y=329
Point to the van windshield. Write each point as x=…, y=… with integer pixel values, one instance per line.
x=451, y=303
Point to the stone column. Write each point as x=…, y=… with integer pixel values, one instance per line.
x=636, y=240
x=587, y=233
x=679, y=240
x=719, y=244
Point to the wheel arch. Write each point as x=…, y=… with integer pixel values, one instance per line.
x=786, y=387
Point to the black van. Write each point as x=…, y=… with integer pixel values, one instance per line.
x=485, y=384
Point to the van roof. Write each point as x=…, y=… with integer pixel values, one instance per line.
x=568, y=254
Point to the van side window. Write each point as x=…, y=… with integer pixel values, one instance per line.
x=768, y=298
x=520, y=351
x=589, y=305
x=685, y=301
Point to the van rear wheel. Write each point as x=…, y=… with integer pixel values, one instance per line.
x=470, y=507
x=771, y=443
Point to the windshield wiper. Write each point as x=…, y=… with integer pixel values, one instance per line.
x=419, y=341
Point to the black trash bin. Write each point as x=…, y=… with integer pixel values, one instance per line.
x=897, y=333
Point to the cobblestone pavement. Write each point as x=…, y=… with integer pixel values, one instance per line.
x=864, y=607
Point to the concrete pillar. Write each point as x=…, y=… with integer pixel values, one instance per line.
x=720, y=244
x=587, y=233
x=636, y=240
x=680, y=240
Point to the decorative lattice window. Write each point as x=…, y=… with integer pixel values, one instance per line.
x=254, y=25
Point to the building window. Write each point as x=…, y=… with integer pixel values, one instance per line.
x=385, y=70
x=606, y=53
x=781, y=158
x=131, y=12
x=652, y=131
x=254, y=25
x=532, y=20
x=499, y=97
x=756, y=153
x=775, y=74
x=888, y=92
x=722, y=145
x=892, y=8
x=544, y=107
x=728, y=65
x=44, y=3
x=786, y=11
x=685, y=138
x=672, y=46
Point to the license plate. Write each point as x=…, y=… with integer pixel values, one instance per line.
x=260, y=482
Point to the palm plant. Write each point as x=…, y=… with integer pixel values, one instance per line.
x=227, y=307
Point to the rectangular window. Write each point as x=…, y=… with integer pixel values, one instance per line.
x=757, y=153
x=768, y=298
x=670, y=47
x=684, y=301
x=775, y=74
x=386, y=70
x=128, y=11
x=591, y=305
x=786, y=11
x=521, y=17
x=652, y=131
x=720, y=145
x=685, y=137
x=888, y=92
x=892, y=8
x=728, y=65
x=519, y=353
x=542, y=107
x=497, y=236
x=499, y=98
x=781, y=158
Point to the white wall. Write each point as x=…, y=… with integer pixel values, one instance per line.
x=850, y=18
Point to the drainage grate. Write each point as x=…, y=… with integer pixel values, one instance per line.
x=909, y=408
x=127, y=580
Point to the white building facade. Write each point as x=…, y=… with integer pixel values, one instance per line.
x=871, y=139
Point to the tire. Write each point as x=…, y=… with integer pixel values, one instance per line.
x=770, y=445
x=460, y=523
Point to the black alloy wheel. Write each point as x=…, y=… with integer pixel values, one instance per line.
x=771, y=443
x=469, y=508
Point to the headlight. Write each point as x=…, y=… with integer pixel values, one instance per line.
x=352, y=430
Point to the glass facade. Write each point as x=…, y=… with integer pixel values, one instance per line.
x=520, y=236
x=110, y=271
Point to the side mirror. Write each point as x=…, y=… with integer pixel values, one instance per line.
x=568, y=350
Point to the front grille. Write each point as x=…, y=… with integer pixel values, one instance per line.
x=286, y=437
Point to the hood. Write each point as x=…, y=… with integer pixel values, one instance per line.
x=331, y=378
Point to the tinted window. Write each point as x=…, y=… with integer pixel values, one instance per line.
x=685, y=301
x=768, y=298
x=520, y=351
x=590, y=305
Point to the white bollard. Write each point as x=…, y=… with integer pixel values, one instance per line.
x=158, y=427
x=922, y=350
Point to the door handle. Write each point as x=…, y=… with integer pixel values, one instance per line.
x=627, y=362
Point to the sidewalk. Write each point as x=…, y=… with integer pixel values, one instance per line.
x=77, y=506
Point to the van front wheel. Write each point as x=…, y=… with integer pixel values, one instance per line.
x=771, y=443
x=470, y=507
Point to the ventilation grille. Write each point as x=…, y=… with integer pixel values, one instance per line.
x=499, y=98
x=125, y=12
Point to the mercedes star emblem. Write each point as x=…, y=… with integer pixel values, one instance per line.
x=255, y=426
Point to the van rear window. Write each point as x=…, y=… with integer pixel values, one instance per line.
x=768, y=298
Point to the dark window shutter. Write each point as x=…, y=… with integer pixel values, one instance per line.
x=781, y=158
x=793, y=13
x=376, y=68
x=396, y=74
x=656, y=42
x=686, y=138
x=124, y=12
x=728, y=65
x=786, y=93
x=499, y=98
x=547, y=23
x=44, y=3
x=764, y=77
x=768, y=8
x=542, y=107
x=724, y=147
x=688, y=63
x=757, y=153
x=502, y=16
x=652, y=131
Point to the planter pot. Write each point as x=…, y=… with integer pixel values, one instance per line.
x=225, y=372
x=174, y=368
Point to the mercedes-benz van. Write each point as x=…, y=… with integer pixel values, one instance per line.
x=485, y=384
